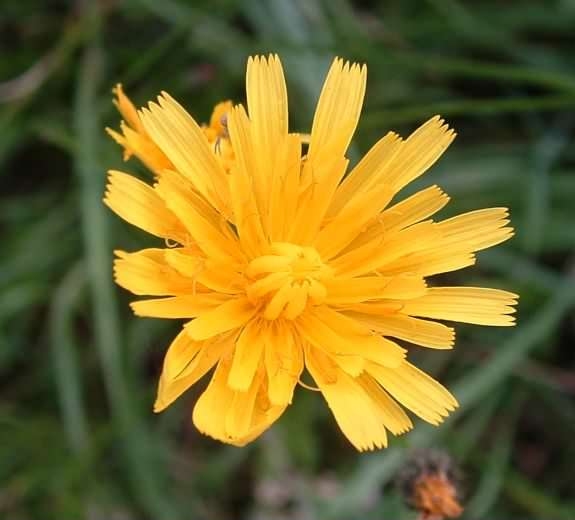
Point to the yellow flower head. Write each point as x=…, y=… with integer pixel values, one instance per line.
x=286, y=262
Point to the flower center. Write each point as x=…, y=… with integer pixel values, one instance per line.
x=286, y=279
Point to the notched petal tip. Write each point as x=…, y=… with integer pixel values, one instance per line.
x=134, y=306
x=439, y=122
x=118, y=91
x=116, y=175
x=406, y=428
x=439, y=191
x=120, y=255
x=165, y=100
x=114, y=135
x=149, y=111
x=371, y=447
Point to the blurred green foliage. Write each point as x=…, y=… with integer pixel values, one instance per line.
x=78, y=372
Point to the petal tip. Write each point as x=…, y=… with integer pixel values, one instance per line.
x=159, y=407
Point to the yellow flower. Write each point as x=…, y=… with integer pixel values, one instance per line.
x=285, y=261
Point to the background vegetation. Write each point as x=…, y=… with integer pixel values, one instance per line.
x=78, y=372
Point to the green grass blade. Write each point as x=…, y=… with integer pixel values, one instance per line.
x=66, y=366
x=144, y=473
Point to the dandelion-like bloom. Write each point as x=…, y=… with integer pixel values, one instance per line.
x=283, y=261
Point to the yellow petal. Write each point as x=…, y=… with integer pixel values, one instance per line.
x=383, y=251
x=246, y=193
x=208, y=228
x=318, y=183
x=228, y=316
x=147, y=273
x=347, y=341
x=122, y=141
x=421, y=332
x=431, y=259
x=184, y=143
x=140, y=205
x=248, y=353
x=352, y=220
x=169, y=391
x=143, y=148
x=284, y=190
x=478, y=305
x=127, y=108
x=419, y=206
x=267, y=100
x=415, y=390
x=418, y=153
x=342, y=291
x=210, y=411
x=217, y=276
x=356, y=413
x=241, y=412
x=231, y=416
x=476, y=230
x=375, y=308
x=264, y=414
x=185, y=363
x=361, y=178
x=283, y=359
x=188, y=261
x=337, y=111
x=181, y=352
x=392, y=415
x=179, y=306
x=268, y=113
